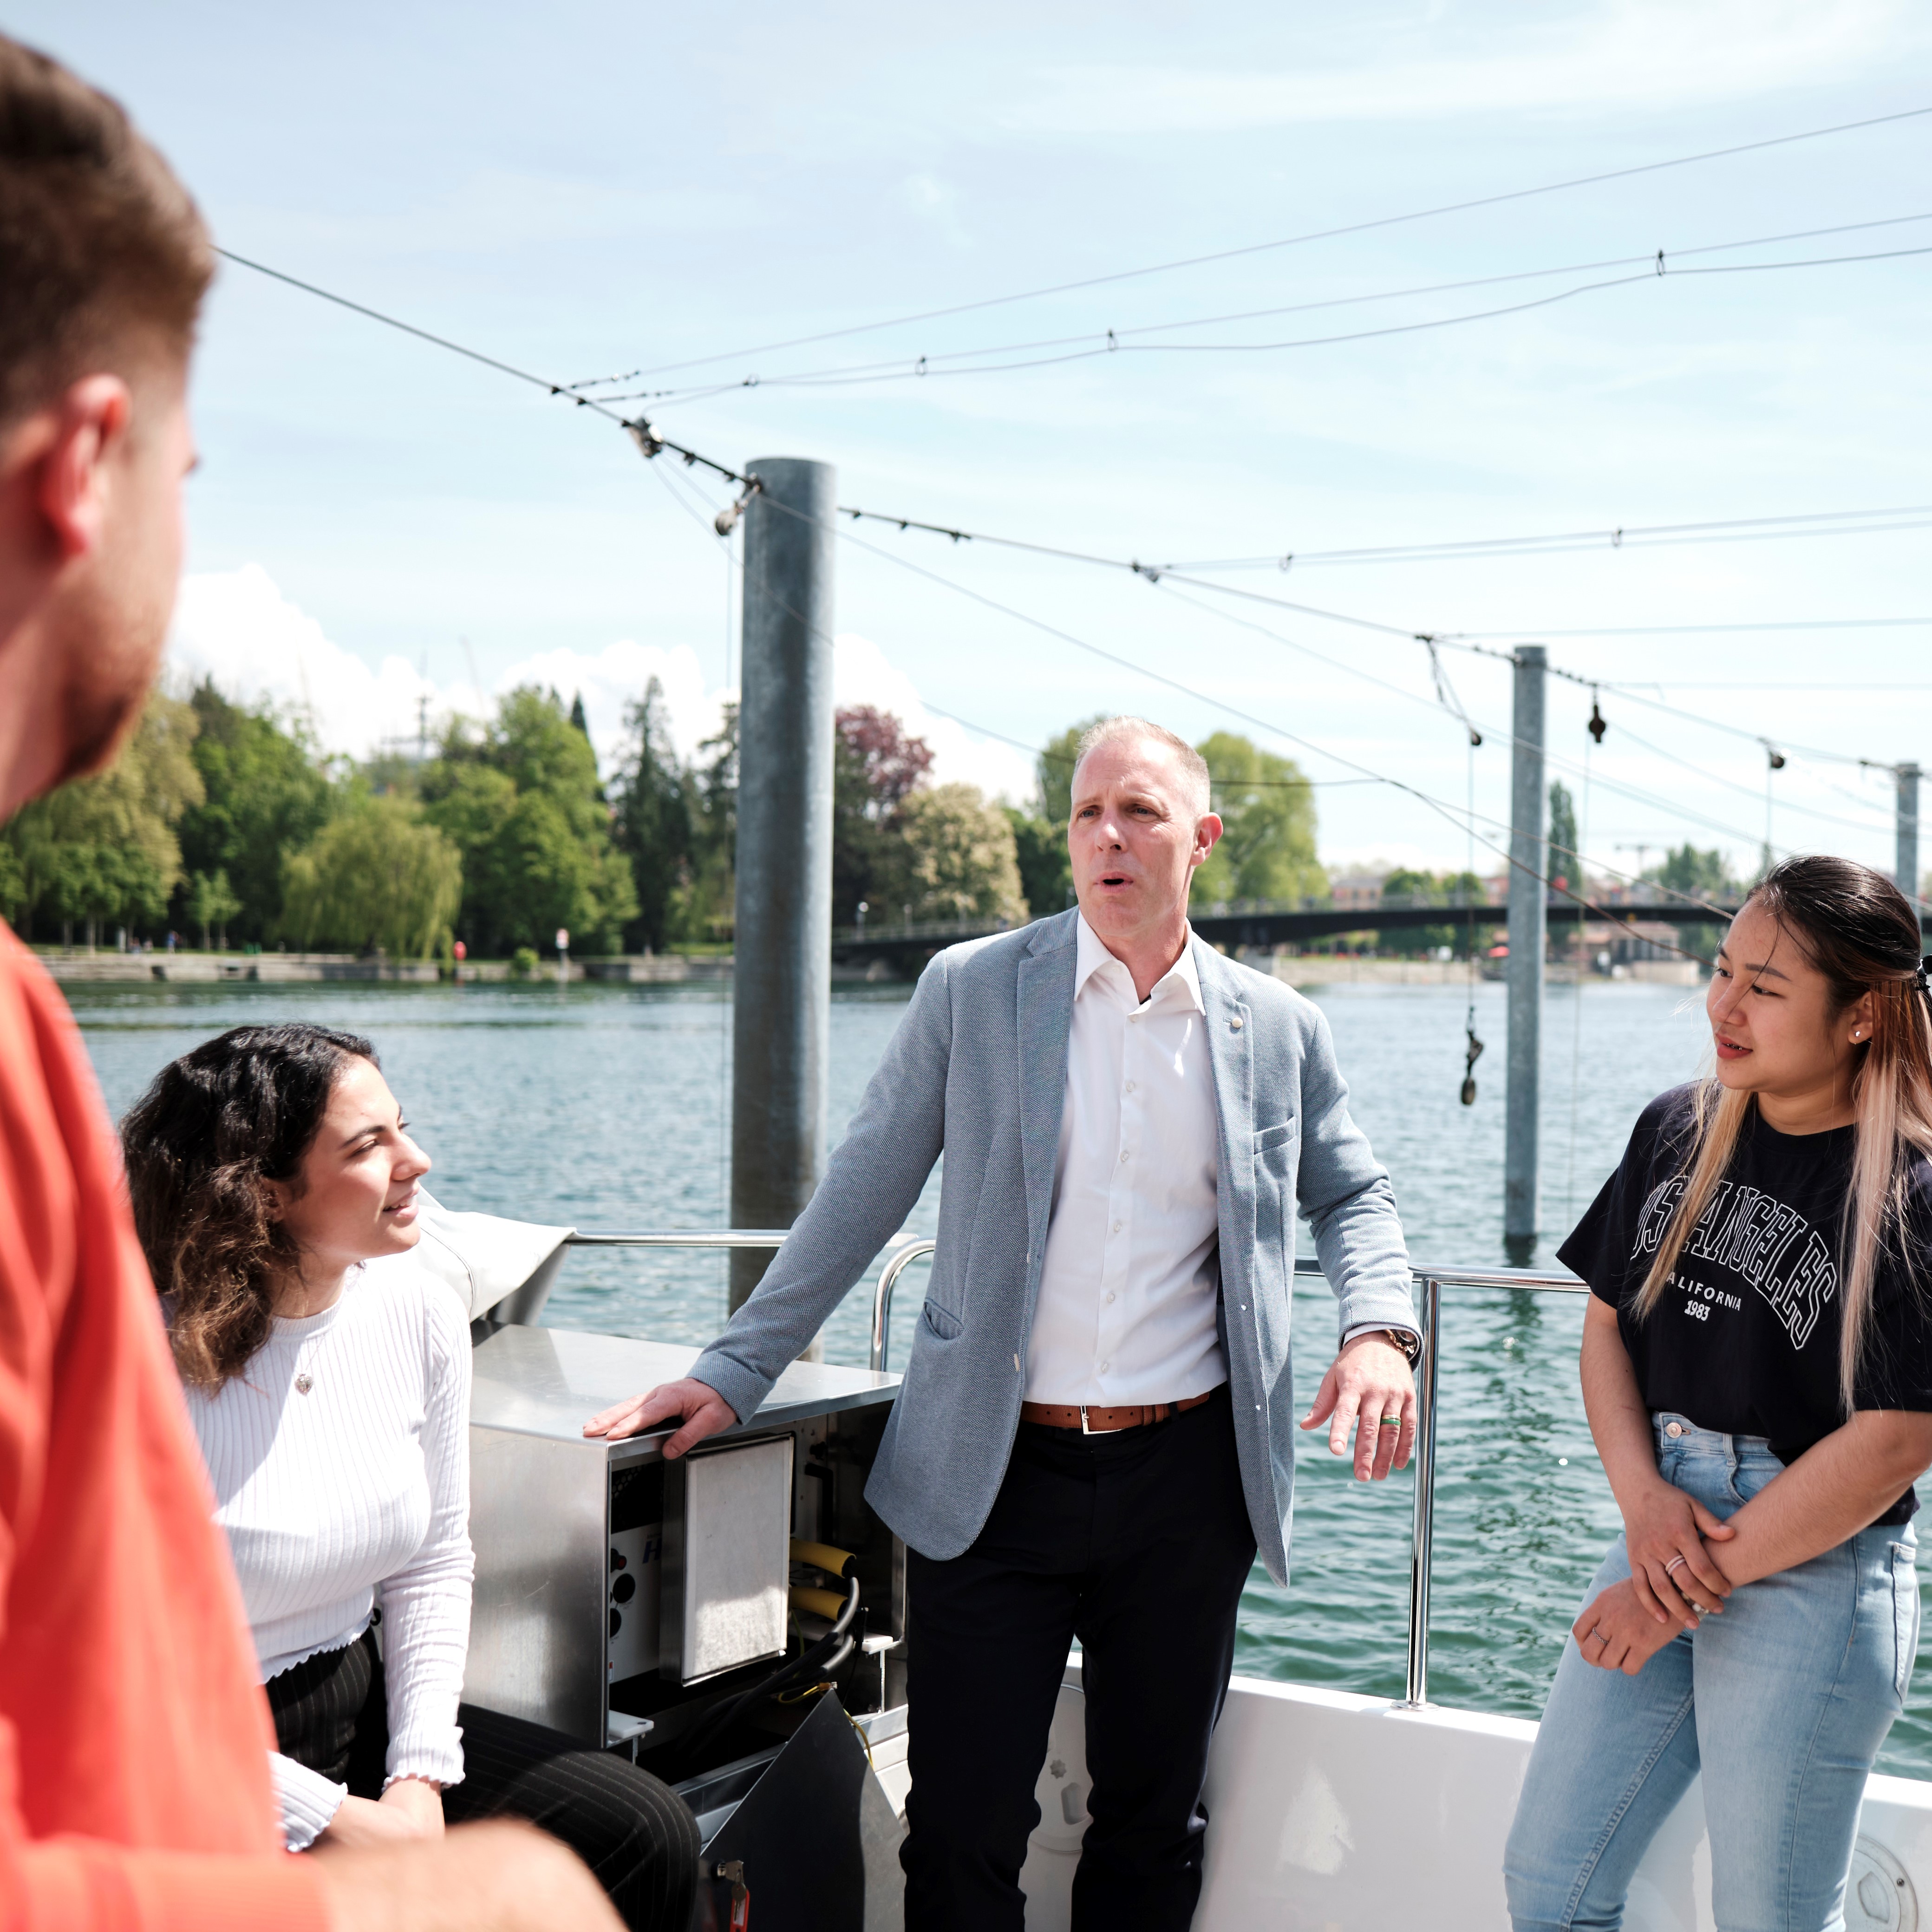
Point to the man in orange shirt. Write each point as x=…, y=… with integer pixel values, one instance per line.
x=134, y=1783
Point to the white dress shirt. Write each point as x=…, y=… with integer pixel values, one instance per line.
x=1130, y=1280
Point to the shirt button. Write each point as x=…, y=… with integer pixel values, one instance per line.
x=1110, y=1294
x=1123, y=1153
x=1673, y=1429
x=1130, y=1086
x=1133, y=1019
x=1116, y=1227
x=1105, y=1366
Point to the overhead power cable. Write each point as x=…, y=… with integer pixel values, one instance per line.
x=652, y=442
x=1652, y=262
x=642, y=432
x=1622, y=536
x=1674, y=806
x=1443, y=809
x=1115, y=341
x=1291, y=240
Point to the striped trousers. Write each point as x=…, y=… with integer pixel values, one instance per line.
x=634, y=1832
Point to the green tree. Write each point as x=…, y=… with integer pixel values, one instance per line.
x=212, y=904
x=1460, y=930
x=703, y=911
x=375, y=876
x=1702, y=875
x=1046, y=874
x=1267, y=847
x=1054, y=769
x=653, y=825
x=13, y=884
x=1564, y=844
x=265, y=794
x=524, y=806
x=102, y=850
x=951, y=857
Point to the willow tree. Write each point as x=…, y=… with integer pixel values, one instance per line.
x=377, y=878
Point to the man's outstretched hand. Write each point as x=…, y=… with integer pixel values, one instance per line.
x=1368, y=1381
x=705, y=1411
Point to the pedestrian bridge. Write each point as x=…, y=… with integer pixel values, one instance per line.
x=906, y=948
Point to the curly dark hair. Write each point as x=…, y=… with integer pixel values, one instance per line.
x=218, y=1124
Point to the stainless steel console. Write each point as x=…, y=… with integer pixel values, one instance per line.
x=612, y=1587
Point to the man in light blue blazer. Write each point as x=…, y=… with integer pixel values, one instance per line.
x=1096, y=1431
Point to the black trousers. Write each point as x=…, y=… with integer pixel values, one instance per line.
x=1138, y=1543
x=634, y=1833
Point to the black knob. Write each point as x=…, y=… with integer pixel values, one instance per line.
x=616, y=1622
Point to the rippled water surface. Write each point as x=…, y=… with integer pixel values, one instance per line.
x=604, y=1107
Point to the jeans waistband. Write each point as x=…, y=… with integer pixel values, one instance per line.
x=1679, y=1433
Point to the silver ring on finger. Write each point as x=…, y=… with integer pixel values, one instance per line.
x=1675, y=1563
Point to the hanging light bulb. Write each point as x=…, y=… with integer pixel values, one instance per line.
x=1597, y=725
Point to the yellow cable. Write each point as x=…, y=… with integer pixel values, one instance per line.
x=826, y=1603
x=821, y=1556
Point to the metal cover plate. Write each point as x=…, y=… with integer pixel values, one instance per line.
x=728, y=1557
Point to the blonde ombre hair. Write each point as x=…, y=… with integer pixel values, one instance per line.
x=1855, y=927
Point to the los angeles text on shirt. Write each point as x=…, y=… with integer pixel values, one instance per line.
x=1759, y=1238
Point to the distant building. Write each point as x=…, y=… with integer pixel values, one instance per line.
x=1357, y=892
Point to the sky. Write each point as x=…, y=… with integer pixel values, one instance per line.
x=583, y=190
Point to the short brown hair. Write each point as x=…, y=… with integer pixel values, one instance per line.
x=103, y=254
x=1114, y=730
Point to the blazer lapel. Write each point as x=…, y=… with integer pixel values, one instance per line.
x=1231, y=1056
x=1045, y=1019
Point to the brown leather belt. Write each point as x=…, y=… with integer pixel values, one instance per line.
x=1107, y=1421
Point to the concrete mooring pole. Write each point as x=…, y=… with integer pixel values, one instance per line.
x=1905, y=871
x=1529, y=911
x=781, y=1036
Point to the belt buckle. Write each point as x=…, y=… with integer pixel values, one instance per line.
x=1084, y=1429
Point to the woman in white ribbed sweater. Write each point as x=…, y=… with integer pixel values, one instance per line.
x=331, y=1400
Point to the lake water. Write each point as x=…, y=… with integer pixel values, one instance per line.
x=605, y=1107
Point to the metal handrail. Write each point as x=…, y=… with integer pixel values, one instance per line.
x=677, y=1238
x=882, y=1296
x=1422, y=1536
x=896, y=1264
x=1431, y=1280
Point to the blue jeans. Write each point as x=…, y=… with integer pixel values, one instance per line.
x=1783, y=1702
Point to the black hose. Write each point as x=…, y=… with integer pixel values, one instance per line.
x=828, y=1654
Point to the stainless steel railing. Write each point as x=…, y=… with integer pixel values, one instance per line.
x=900, y=1259
x=1430, y=1281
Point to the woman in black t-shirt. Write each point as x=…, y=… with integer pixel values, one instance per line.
x=1757, y=1367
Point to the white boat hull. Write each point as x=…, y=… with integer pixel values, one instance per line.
x=1332, y=1813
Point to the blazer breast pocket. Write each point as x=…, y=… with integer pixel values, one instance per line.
x=1275, y=1141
